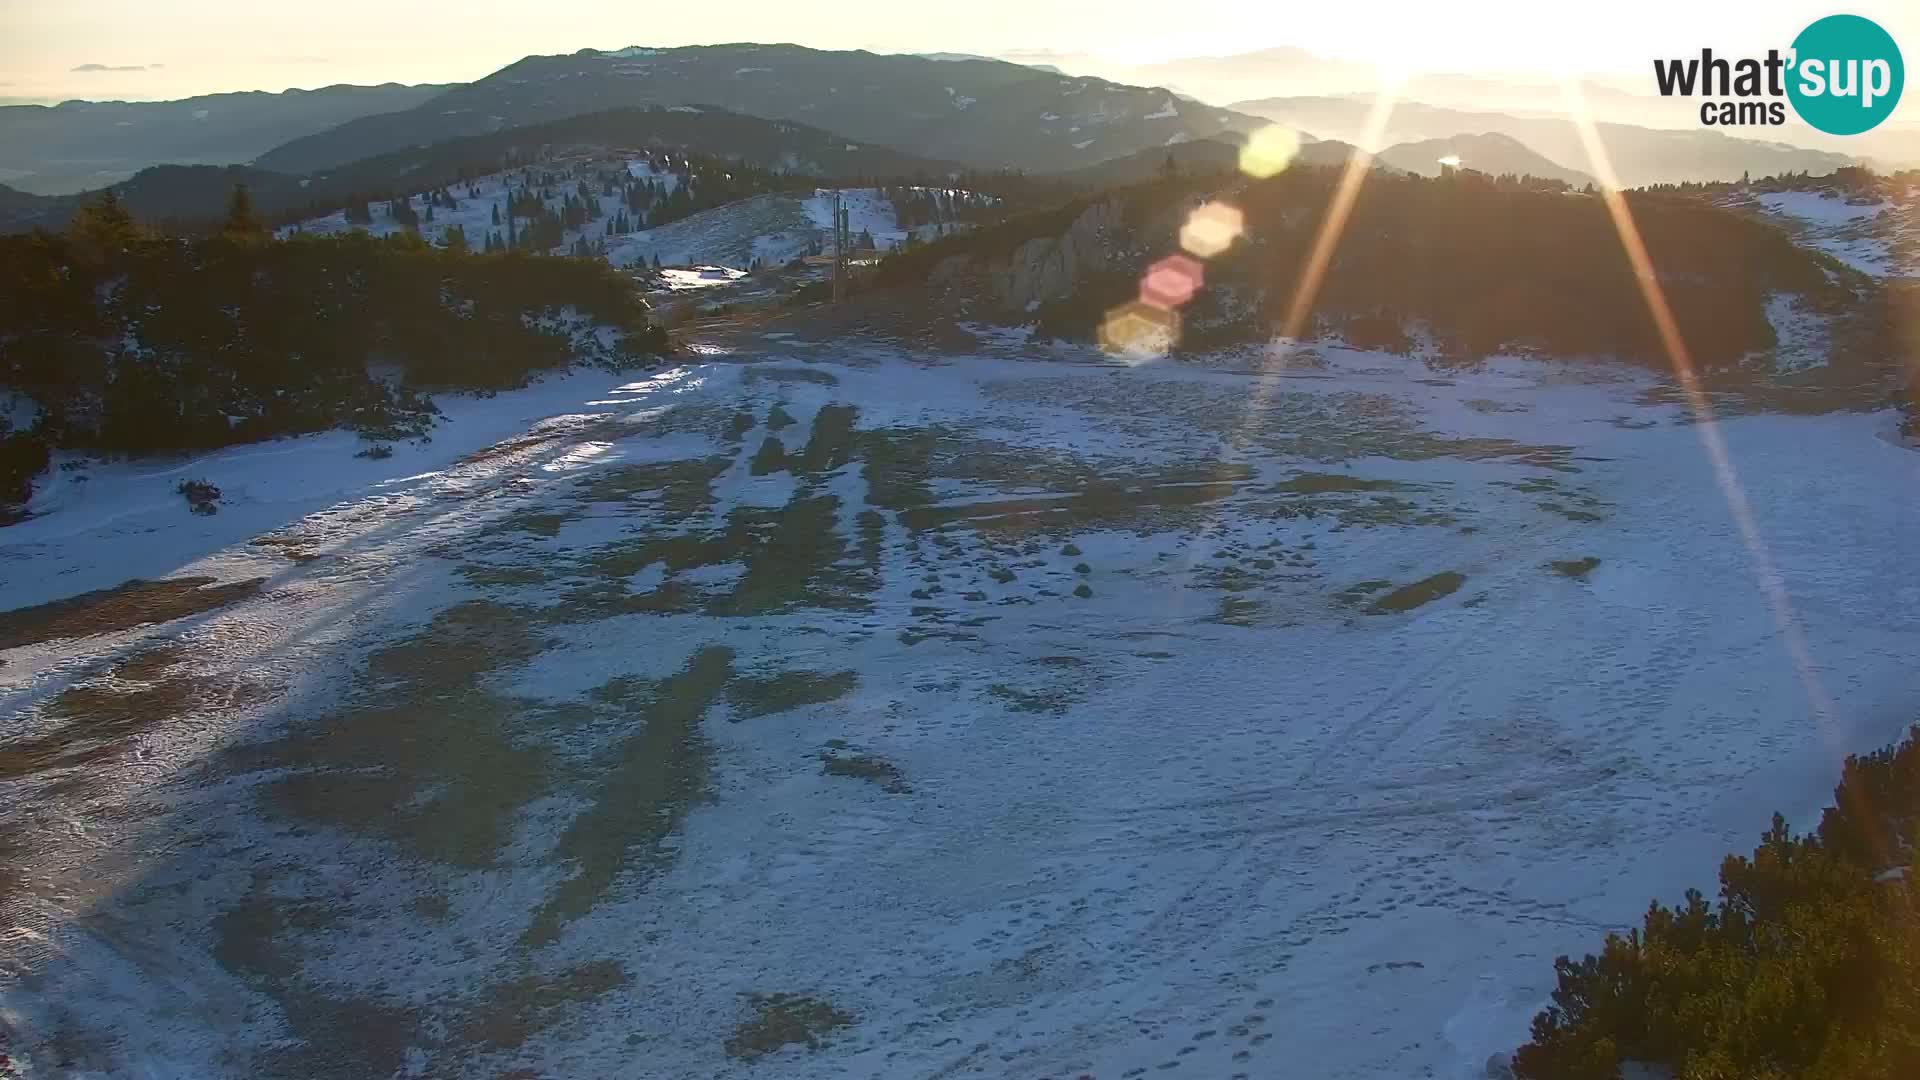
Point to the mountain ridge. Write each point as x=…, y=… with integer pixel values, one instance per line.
x=980, y=113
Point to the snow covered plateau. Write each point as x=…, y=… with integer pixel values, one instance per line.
x=900, y=716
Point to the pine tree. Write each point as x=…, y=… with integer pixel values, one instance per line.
x=241, y=222
x=496, y=213
x=457, y=239
x=105, y=225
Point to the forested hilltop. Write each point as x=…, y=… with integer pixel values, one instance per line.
x=123, y=340
x=1456, y=267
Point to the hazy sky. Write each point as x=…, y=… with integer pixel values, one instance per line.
x=56, y=49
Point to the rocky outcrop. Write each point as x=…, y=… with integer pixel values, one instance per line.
x=1050, y=268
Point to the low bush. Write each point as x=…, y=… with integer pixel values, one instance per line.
x=1806, y=968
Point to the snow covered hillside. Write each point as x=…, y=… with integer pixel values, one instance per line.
x=765, y=229
x=1877, y=236
x=922, y=716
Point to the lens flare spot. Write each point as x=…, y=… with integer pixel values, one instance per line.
x=1269, y=151
x=1137, y=332
x=1451, y=161
x=1212, y=229
x=1171, y=282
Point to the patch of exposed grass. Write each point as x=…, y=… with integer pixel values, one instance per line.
x=782, y=1020
x=459, y=646
x=750, y=696
x=1053, y=700
x=656, y=776
x=770, y=458
x=1570, y=513
x=1575, y=568
x=483, y=575
x=515, y=1011
x=793, y=556
x=1359, y=590
x=830, y=442
x=679, y=489
x=1163, y=498
x=421, y=754
x=1239, y=611
x=338, y=1037
x=105, y=611
x=99, y=718
x=536, y=523
x=1315, y=483
x=764, y=373
x=898, y=466
x=1424, y=591
x=790, y=555
x=840, y=760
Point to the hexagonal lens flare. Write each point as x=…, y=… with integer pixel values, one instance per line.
x=1212, y=229
x=1171, y=282
x=1269, y=151
x=1138, y=332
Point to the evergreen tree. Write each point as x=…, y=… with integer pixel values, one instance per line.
x=496, y=213
x=105, y=226
x=457, y=239
x=241, y=222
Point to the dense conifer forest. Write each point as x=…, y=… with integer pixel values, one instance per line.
x=131, y=341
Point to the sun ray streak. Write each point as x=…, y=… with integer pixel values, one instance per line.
x=1772, y=585
x=1266, y=385
x=1339, y=208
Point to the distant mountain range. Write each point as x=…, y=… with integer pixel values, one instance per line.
x=844, y=114
x=1492, y=153
x=1639, y=155
x=55, y=150
x=200, y=192
x=981, y=113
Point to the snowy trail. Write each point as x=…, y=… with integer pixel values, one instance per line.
x=749, y=680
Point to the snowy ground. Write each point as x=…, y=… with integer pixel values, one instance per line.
x=475, y=213
x=1880, y=238
x=567, y=741
x=770, y=228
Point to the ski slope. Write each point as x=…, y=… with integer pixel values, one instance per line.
x=1017, y=719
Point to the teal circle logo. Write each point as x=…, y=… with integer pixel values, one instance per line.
x=1847, y=75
